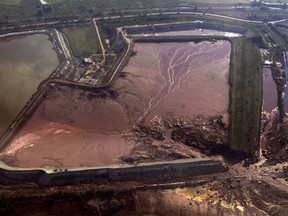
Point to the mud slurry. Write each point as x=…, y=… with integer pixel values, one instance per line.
x=71, y=129
x=169, y=101
x=274, y=131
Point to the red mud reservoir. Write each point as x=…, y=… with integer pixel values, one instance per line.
x=74, y=127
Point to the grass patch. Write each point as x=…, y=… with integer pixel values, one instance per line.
x=10, y=2
x=277, y=1
x=83, y=40
x=277, y=34
x=217, y=1
x=55, y=1
x=246, y=95
x=230, y=1
x=284, y=31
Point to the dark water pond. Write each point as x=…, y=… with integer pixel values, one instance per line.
x=269, y=91
x=24, y=63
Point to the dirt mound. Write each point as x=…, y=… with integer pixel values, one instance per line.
x=172, y=137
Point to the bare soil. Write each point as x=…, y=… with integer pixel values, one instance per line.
x=259, y=189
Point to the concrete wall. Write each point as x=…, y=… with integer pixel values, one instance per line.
x=180, y=168
x=185, y=26
x=122, y=172
x=20, y=176
x=75, y=177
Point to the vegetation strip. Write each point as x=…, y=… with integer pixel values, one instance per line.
x=246, y=88
x=83, y=40
x=246, y=95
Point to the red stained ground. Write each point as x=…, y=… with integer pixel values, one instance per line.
x=73, y=127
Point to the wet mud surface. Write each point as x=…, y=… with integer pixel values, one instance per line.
x=168, y=93
x=275, y=123
x=272, y=166
x=183, y=78
x=269, y=91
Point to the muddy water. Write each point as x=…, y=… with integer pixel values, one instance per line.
x=24, y=63
x=74, y=127
x=196, y=32
x=286, y=73
x=269, y=91
x=269, y=105
x=185, y=79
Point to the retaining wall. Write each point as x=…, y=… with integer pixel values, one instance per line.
x=184, y=26
x=122, y=172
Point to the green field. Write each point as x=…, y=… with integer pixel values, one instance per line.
x=229, y=1
x=83, y=40
x=9, y=2
x=277, y=1
x=54, y=1
x=278, y=35
x=191, y=1
x=284, y=31
x=216, y=1
x=246, y=95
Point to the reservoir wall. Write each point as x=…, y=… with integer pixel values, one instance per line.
x=163, y=170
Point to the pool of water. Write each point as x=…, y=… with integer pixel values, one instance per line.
x=24, y=63
x=286, y=73
x=269, y=91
